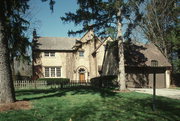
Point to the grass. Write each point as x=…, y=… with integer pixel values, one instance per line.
x=174, y=87
x=86, y=104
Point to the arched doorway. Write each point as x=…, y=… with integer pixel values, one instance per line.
x=82, y=75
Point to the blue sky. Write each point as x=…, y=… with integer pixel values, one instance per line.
x=48, y=23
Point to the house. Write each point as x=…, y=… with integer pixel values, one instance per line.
x=79, y=59
x=138, y=65
x=21, y=69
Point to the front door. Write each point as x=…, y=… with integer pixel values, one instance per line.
x=81, y=77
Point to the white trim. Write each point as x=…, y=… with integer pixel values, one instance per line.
x=49, y=68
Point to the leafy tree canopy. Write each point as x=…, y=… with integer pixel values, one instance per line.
x=102, y=14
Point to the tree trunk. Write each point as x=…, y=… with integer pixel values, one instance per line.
x=7, y=94
x=121, y=71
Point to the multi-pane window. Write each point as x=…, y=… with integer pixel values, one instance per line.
x=52, y=72
x=58, y=71
x=154, y=63
x=81, y=53
x=49, y=54
x=46, y=54
x=52, y=54
x=46, y=72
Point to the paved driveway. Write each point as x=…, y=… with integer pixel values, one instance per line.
x=171, y=93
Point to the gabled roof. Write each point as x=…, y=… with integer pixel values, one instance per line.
x=140, y=54
x=102, y=40
x=153, y=53
x=55, y=43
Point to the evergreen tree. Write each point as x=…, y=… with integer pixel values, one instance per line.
x=103, y=14
x=12, y=26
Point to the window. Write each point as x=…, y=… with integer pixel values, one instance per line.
x=46, y=54
x=52, y=54
x=52, y=72
x=154, y=63
x=58, y=71
x=81, y=70
x=46, y=72
x=81, y=53
x=49, y=54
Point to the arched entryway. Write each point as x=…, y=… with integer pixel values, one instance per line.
x=82, y=75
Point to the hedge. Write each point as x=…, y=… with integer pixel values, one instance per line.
x=58, y=81
x=105, y=81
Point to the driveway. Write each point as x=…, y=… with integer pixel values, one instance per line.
x=171, y=93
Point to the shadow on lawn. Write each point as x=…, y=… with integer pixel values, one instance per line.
x=112, y=105
x=133, y=109
x=47, y=93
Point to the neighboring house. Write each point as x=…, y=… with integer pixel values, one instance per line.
x=138, y=65
x=21, y=70
x=62, y=57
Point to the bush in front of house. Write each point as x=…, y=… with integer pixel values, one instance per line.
x=109, y=81
x=57, y=81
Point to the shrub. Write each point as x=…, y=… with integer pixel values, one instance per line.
x=57, y=81
x=109, y=81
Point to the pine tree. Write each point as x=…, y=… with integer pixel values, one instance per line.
x=12, y=26
x=102, y=14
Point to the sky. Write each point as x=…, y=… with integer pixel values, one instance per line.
x=48, y=23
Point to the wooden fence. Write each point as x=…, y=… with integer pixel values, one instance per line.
x=41, y=84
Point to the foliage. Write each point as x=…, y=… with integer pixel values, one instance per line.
x=11, y=18
x=51, y=81
x=109, y=81
x=175, y=79
x=159, y=22
x=92, y=105
x=51, y=4
x=102, y=15
x=13, y=41
x=174, y=36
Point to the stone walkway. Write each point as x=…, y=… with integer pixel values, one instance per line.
x=171, y=93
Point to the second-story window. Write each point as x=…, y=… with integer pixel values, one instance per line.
x=46, y=54
x=49, y=54
x=52, y=54
x=81, y=53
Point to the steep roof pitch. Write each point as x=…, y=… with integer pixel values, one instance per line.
x=142, y=54
x=102, y=40
x=153, y=53
x=55, y=43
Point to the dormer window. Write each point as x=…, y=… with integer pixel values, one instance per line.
x=154, y=63
x=81, y=53
x=49, y=54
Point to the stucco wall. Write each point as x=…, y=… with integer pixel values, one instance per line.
x=70, y=62
x=58, y=61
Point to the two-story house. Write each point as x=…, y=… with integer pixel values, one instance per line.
x=81, y=59
x=76, y=58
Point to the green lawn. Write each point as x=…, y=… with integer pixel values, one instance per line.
x=92, y=105
x=175, y=88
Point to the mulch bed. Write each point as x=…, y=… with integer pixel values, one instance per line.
x=19, y=105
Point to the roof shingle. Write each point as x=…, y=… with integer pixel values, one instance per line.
x=55, y=43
